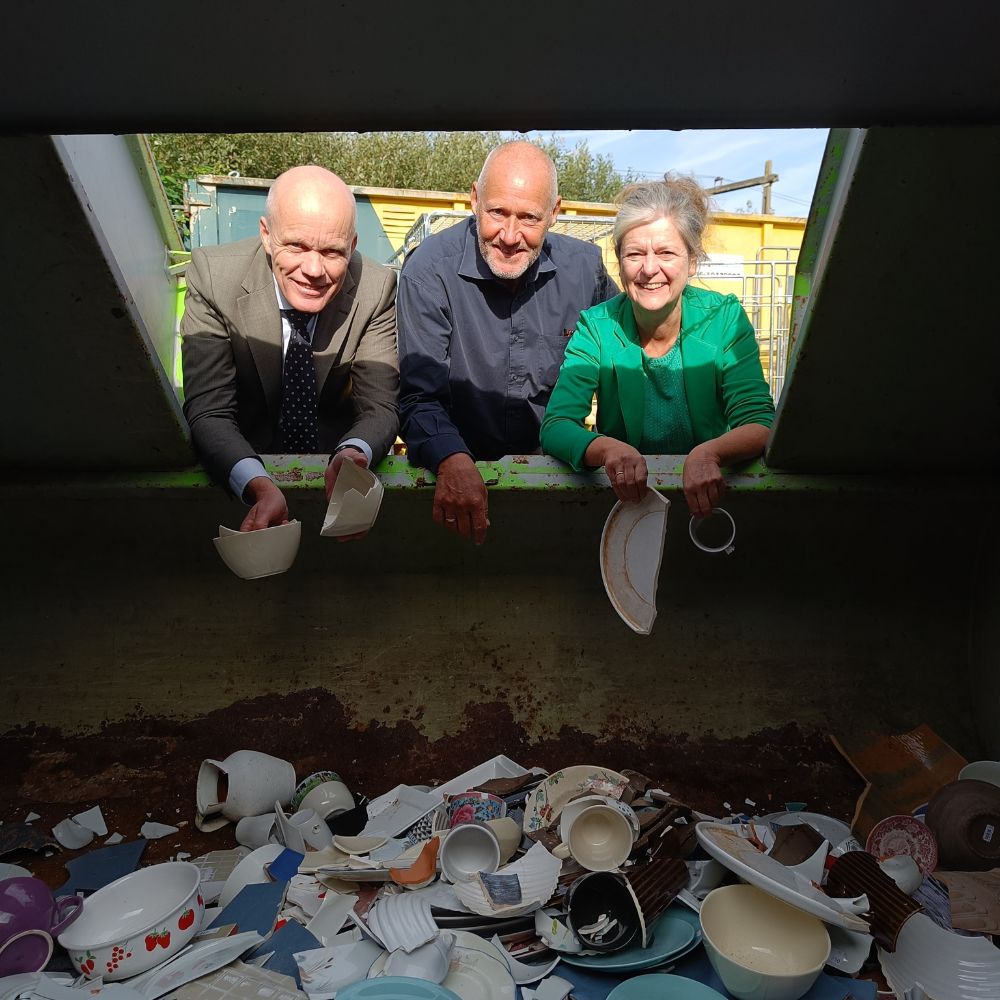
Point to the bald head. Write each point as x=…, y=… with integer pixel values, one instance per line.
x=521, y=164
x=310, y=188
x=515, y=202
x=309, y=232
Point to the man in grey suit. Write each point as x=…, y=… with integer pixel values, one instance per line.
x=289, y=344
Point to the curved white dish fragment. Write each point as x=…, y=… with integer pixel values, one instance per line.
x=631, y=552
x=948, y=966
x=537, y=872
x=724, y=843
x=354, y=502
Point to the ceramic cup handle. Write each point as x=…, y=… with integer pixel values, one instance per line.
x=67, y=910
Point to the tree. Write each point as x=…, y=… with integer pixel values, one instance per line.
x=436, y=161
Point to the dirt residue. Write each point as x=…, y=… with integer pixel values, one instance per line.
x=145, y=768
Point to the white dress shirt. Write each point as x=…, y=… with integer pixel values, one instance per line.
x=250, y=468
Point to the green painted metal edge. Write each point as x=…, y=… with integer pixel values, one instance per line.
x=529, y=474
x=816, y=222
x=149, y=176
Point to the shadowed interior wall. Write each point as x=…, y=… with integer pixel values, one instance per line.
x=844, y=610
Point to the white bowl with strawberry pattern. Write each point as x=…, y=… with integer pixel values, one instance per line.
x=136, y=922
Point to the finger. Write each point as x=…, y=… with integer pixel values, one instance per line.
x=249, y=520
x=631, y=486
x=714, y=492
x=643, y=486
x=694, y=505
x=480, y=522
x=451, y=520
x=438, y=514
x=463, y=523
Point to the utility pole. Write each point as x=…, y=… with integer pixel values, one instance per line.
x=764, y=181
x=765, y=198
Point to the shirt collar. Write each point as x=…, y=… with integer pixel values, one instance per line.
x=474, y=266
x=283, y=305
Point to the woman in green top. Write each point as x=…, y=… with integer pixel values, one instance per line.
x=676, y=369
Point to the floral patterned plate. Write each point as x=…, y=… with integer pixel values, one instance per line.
x=904, y=835
x=546, y=801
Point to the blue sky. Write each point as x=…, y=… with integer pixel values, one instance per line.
x=733, y=154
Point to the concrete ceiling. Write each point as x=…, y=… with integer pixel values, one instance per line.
x=259, y=66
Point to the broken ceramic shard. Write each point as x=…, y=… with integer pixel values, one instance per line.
x=255, y=554
x=354, y=502
x=253, y=781
x=72, y=835
x=153, y=831
x=631, y=552
x=93, y=819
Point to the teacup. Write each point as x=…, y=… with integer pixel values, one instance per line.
x=29, y=918
x=27, y=951
x=302, y=831
x=602, y=911
x=27, y=904
x=600, y=838
x=467, y=850
x=508, y=833
x=474, y=807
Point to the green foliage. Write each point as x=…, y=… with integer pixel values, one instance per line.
x=433, y=161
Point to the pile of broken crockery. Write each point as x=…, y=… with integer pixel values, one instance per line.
x=480, y=887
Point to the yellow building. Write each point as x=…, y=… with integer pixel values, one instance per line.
x=752, y=256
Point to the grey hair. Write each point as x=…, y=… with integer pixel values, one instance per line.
x=681, y=199
x=526, y=146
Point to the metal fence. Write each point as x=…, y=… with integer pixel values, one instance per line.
x=763, y=285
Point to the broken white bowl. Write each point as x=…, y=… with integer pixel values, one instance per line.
x=354, y=502
x=631, y=552
x=537, y=872
x=255, y=554
x=948, y=966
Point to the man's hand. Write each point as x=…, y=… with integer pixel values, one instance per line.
x=356, y=456
x=460, y=502
x=703, y=481
x=269, y=509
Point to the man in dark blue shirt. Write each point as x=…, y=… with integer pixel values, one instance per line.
x=484, y=312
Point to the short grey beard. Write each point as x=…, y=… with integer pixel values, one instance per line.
x=533, y=255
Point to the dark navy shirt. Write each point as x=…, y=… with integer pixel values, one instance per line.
x=477, y=361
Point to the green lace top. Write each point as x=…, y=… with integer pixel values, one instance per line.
x=666, y=423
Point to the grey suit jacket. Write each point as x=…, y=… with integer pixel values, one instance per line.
x=231, y=350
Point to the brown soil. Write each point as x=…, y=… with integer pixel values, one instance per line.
x=145, y=768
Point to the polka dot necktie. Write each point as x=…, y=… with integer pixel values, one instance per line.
x=298, y=422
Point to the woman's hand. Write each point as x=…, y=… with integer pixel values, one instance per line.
x=625, y=467
x=703, y=480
